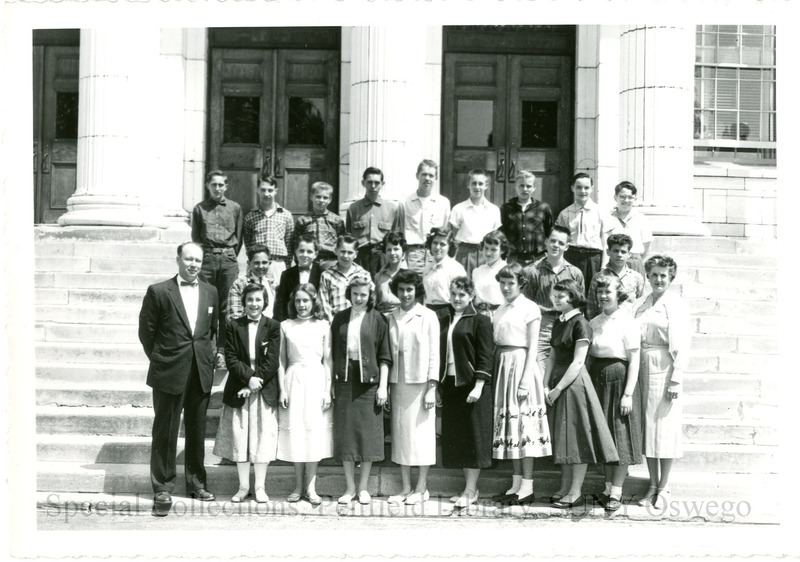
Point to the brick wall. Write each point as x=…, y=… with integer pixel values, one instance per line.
x=737, y=201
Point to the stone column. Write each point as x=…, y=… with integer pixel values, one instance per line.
x=656, y=127
x=117, y=170
x=387, y=77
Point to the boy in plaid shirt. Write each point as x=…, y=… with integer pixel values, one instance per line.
x=334, y=281
x=324, y=225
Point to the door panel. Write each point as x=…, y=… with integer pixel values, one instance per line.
x=529, y=98
x=274, y=111
x=55, y=129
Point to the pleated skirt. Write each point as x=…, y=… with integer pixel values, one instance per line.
x=609, y=376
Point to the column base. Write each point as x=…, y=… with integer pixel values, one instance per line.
x=674, y=221
x=110, y=210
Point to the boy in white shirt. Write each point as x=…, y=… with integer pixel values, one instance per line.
x=473, y=219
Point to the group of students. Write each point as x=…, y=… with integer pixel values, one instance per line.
x=495, y=335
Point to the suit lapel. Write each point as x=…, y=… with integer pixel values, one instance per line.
x=175, y=296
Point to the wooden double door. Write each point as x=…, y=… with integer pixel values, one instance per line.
x=276, y=112
x=55, y=129
x=505, y=113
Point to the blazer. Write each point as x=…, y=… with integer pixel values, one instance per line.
x=167, y=338
x=373, y=349
x=290, y=279
x=473, y=347
x=237, y=358
x=420, y=344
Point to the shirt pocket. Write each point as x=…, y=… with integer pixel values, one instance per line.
x=359, y=225
x=385, y=226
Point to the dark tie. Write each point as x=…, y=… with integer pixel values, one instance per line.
x=187, y=284
x=256, y=321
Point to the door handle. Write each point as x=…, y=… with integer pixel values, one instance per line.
x=35, y=157
x=512, y=171
x=46, y=163
x=500, y=174
x=266, y=166
x=278, y=168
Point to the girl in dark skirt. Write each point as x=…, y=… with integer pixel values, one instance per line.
x=614, y=369
x=580, y=433
x=361, y=361
x=466, y=389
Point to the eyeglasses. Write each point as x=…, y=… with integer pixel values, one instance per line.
x=626, y=197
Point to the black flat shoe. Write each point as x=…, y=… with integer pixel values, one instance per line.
x=203, y=495
x=503, y=497
x=162, y=503
x=527, y=500
x=568, y=505
x=555, y=497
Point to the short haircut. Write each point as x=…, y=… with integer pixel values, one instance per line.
x=661, y=260
x=370, y=171
x=444, y=233
x=603, y=281
x=268, y=179
x=560, y=228
x=258, y=249
x=213, y=173
x=316, y=306
x=429, y=164
x=308, y=239
x=523, y=174
x=580, y=176
x=255, y=288
x=624, y=185
x=182, y=246
x=362, y=281
x=479, y=172
x=395, y=238
x=463, y=283
x=320, y=186
x=514, y=271
x=498, y=238
x=346, y=239
x=574, y=292
x=408, y=277
x=619, y=240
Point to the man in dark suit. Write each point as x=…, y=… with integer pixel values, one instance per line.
x=307, y=270
x=178, y=320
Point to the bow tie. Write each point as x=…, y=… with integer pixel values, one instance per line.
x=251, y=321
x=187, y=284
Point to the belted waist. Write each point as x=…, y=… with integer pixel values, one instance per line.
x=485, y=306
x=209, y=250
x=585, y=250
x=646, y=345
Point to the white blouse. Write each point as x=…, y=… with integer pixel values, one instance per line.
x=510, y=321
x=614, y=335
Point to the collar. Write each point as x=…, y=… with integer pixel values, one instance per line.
x=531, y=202
x=545, y=263
x=222, y=201
x=469, y=311
x=369, y=202
x=570, y=314
x=469, y=203
x=633, y=213
x=256, y=321
x=590, y=205
x=276, y=209
x=416, y=310
x=432, y=197
x=621, y=274
x=252, y=277
x=516, y=301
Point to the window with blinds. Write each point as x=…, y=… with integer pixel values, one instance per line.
x=734, y=94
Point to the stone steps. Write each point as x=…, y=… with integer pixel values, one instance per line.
x=131, y=420
x=77, y=264
x=100, y=373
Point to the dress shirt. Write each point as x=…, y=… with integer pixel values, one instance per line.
x=586, y=224
x=325, y=228
x=252, y=329
x=417, y=216
x=354, y=334
x=487, y=288
x=526, y=229
x=632, y=283
x=437, y=278
x=190, y=295
x=473, y=222
x=614, y=335
x=217, y=225
x=332, y=286
x=634, y=225
x=510, y=321
x=544, y=278
x=369, y=221
x=303, y=275
x=274, y=229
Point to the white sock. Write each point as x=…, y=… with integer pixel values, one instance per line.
x=616, y=492
x=516, y=480
x=526, y=488
x=607, y=491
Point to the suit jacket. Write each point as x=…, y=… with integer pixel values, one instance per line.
x=473, y=347
x=167, y=338
x=418, y=335
x=374, y=347
x=290, y=279
x=237, y=358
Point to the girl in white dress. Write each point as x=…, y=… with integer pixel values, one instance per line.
x=305, y=422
